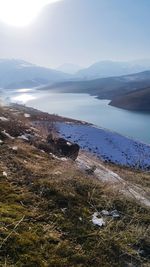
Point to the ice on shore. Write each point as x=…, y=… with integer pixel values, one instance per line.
x=109, y=146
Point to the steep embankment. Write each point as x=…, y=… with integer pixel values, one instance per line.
x=138, y=100
x=55, y=213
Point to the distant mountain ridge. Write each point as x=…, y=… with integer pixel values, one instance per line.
x=105, y=88
x=129, y=91
x=109, y=68
x=16, y=73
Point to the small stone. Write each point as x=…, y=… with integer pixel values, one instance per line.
x=14, y=148
x=115, y=214
x=5, y=174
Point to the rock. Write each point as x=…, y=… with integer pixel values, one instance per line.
x=5, y=174
x=115, y=214
x=14, y=148
x=91, y=170
x=63, y=148
x=26, y=115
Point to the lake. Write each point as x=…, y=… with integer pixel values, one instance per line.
x=87, y=108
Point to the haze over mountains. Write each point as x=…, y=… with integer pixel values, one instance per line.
x=69, y=68
x=109, y=68
x=105, y=88
x=125, y=83
x=16, y=73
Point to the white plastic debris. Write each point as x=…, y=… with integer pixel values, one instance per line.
x=26, y=115
x=5, y=174
x=63, y=210
x=98, y=221
x=105, y=212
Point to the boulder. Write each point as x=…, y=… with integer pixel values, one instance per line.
x=63, y=147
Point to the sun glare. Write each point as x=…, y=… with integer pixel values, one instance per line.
x=20, y=13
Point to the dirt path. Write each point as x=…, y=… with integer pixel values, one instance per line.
x=86, y=162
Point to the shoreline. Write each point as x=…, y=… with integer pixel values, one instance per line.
x=108, y=146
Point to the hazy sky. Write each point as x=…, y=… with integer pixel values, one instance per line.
x=81, y=32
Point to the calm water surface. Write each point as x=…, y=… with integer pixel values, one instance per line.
x=87, y=108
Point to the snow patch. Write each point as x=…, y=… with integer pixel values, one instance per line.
x=23, y=137
x=7, y=135
x=107, y=145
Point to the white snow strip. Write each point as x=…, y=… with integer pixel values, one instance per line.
x=4, y=119
x=109, y=146
x=7, y=135
x=105, y=175
x=23, y=137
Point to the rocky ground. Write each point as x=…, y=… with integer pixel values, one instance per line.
x=58, y=212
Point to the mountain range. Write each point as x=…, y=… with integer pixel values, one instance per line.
x=109, y=68
x=120, y=90
x=129, y=91
x=105, y=88
x=16, y=73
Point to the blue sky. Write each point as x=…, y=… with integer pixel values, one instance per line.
x=81, y=32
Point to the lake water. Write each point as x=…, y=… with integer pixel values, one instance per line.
x=87, y=108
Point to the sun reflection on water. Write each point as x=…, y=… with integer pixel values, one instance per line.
x=23, y=98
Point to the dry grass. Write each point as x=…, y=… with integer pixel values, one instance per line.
x=46, y=208
x=136, y=177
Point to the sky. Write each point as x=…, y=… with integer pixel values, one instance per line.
x=81, y=32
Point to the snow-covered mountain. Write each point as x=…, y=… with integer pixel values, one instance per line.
x=16, y=73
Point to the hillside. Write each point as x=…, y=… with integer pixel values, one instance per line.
x=15, y=73
x=55, y=212
x=138, y=100
x=105, y=88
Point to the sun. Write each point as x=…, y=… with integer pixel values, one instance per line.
x=20, y=13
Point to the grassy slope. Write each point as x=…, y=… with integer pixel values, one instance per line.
x=42, y=202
